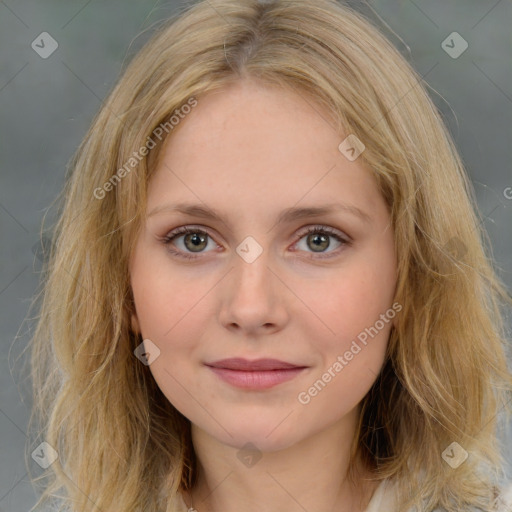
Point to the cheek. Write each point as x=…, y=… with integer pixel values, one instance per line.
x=349, y=301
x=164, y=298
x=349, y=368
x=172, y=310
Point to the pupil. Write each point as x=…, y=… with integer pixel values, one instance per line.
x=319, y=238
x=198, y=241
x=320, y=242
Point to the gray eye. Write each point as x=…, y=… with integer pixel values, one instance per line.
x=195, y=242
x=319, y=242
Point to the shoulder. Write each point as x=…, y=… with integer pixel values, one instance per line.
x=504, y=500
x=385, y=498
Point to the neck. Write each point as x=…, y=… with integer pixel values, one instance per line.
x=310, y=475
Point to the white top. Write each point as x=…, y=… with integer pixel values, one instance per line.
x=384, y=499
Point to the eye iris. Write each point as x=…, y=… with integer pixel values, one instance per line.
x=322, y=239
x=198, y=240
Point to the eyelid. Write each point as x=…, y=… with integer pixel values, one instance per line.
x=324, y=229
x=341, y=237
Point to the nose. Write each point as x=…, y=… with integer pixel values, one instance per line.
x=254, y=298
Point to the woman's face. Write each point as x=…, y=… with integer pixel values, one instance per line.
x=257, y=285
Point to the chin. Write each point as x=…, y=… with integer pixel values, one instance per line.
x=266, y=434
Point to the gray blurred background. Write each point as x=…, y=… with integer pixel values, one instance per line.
x=47, y=101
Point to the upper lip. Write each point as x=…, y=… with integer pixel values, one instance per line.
x=241, y=364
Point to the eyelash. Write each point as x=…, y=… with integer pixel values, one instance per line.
x=167, y=240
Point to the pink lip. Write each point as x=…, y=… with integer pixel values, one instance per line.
x=258, y=374
x=238, y=363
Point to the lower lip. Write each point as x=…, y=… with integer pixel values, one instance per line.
x=257, y=379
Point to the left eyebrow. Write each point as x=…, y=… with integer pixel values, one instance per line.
x=294, y=213
x=286, y=216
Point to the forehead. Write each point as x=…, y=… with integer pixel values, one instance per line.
x=254, y=145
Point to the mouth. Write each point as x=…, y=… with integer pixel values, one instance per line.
x=241, y=364
x=256, y=375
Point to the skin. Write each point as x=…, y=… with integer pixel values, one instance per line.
x=250, y=151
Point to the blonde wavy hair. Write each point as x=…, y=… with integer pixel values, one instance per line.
x=122, y=446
